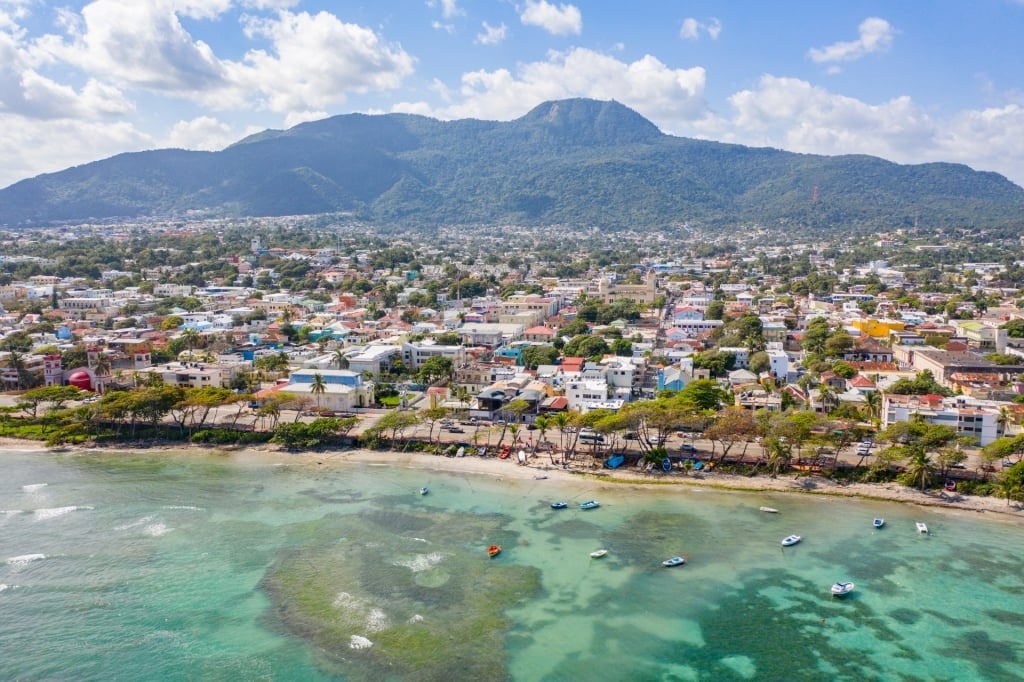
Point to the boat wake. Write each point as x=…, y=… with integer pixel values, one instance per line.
x=33, y=487
x=25, y=559
x=54, y=512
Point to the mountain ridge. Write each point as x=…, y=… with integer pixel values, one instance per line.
x=576, y=161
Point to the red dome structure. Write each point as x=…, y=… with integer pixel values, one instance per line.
x=81, y=379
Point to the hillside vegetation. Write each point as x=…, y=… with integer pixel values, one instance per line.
x=573, y=162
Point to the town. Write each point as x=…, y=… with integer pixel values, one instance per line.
x=903, y=350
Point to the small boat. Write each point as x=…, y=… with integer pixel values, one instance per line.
x=769, y=510
x=878, y=523
x=921, y=528
x=598, y=553
x=423, y=490
x=791, y=540
x=493, y=551
x=674, y=561
x=559, y=505
x=614, y=462
x=950, y=486
x=590, y=504
x=841, y=589
x=504, y=453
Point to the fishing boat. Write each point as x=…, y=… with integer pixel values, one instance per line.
x=493, y=551
x=791, y=540
x=878, y=523
x=841, y=589
x=504, y=452
x=423, y=490
x=769, y=510
x=598, y=553
x=559, y=505
x=674, y=561
x=590, y=504
x=921, y=528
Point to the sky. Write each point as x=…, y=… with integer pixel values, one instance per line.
x=911, y=82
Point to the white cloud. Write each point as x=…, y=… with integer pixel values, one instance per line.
x=449, y=8
x=317, y=61
x=691, y=28
x=492, y=35
x=792, y=114
x=440, y=26
x=294, y=118
x=314, y=60
x=876, y=35
x=30, y=147
x=557, y=20
x=646, y=85
x=203, y=132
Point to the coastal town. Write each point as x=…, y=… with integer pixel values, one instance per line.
x=894, y=354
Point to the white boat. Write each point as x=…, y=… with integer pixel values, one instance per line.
x=921, y=528
x=590, y=504
x=840, y=589
x=674, y=561
x=598, y=553
x=770, y=510
x=878, y=523
x=423, y=490
x=791, y=540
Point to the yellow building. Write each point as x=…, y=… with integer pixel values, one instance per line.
x=878, y=329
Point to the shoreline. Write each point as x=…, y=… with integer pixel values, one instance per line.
x=535, y=470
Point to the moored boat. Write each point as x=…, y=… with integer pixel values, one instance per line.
x=769, y=510
x=791, y=540
x=878, y=523
x=423, y=490
x=921, y=528
x=841, y=589
x=614, y=462
x=493, y=551
x=598, y=553
x=674, y=561
x=590, y=504
x=559, y=505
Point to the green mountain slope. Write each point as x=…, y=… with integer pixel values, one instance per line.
x=577, y=162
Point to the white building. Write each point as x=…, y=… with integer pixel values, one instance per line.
x=978, y=419
x=343, y=389
x=373, y=358
x=415, y=354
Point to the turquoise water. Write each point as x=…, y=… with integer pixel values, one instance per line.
x=164, y=567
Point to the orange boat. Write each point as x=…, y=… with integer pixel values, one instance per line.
x=505, y=452
x=493, y=551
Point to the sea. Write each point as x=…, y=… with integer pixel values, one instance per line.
x=163, y=566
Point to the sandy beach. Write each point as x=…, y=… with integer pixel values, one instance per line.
x=540, y=468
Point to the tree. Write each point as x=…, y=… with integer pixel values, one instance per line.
x=922, y=384
x=435, y=369
x=55, y=395
x=731, y=426
x=1011, y=482
x=622, y=347
x=586, y=346
x=815, y=336
x=838, y=344
x=912, y=441
x=432, y=415
x=318, y=387
x=339, y=359
x=539, y=354
x=171, y=322
x=759, y=362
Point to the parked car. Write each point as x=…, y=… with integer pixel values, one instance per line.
x=688, y=449
x=456, y=429
x=630, y=435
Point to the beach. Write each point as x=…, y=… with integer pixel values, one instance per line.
x=540, y=468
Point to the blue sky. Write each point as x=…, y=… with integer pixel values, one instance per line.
x=908, y=81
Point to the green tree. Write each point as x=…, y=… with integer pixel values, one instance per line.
x=538, y=354
x=435, y=369
x=318, y=387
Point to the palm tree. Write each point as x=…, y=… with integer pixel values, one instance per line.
x=318, y=387
x=339, y=360
x=873, y=402
x=1004, y=419
x=920, y=467
x=190, y=337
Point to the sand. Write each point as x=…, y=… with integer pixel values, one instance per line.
x=540, y=467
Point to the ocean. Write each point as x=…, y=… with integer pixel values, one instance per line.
x=161, y=566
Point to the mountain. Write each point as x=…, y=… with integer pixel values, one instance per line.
x=577, y=162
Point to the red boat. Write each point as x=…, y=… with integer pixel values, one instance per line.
x=493, y=551
x=505, y=452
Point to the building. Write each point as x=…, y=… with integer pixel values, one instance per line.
x=976, y=419
x=343, y=389
x=415, y=354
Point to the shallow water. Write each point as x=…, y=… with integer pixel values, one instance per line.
x=169, y=567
